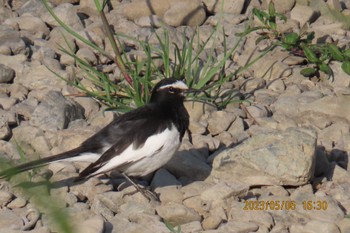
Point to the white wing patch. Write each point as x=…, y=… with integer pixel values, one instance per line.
x=156, y=151
x=177, y=85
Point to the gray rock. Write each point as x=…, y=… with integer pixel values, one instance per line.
x=226, y=19
x=261, y=218
x=211, y=222
x=25, y=108
x=253, y=84
x=276, y=190
x=333, y=135
x=137, y=9
x=177, y=214
x=40, y=78
x=7, y=102
x=280, y=228
x=90, y=106
x=164, y=178
x=149, y=21
x=5, y=130
x=282, y=7
x=197, y=128
x=194, y=226
x=134, y=206
x=315, y=227
x=66, y=13
x=197, y=109
x=146, y=224
x=277, y=86
x=224, y=190
x=6, y=74
x=220, y=121
x=17, y=203
x=24, y=135
x=59, y=38
x=91, y=225
x=8, y=150
x=55, y=112
x=266, y=152
x=227, y=6
x=87, y=55
x=195, y=188
x=99, y=208
x=34, y=25
x=9, y=117
x=33, y=7
x=5, y=197
x=9, y=220
x=112, y=200
x=90, y=189
x=205, y=142
x=344, y=225
x=258, y=111
x=170, y=194
x=191, y=13
x=11, y=39
x=184, y=164
x=332, y=213
x=339, y=192
x=243, y=227
x=18, y=91
x=303, y=14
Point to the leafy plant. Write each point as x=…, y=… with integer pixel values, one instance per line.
x=319, y=56
x=133, y=90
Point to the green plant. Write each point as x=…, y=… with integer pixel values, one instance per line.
x=172, y=228
x=133, y=90
x=318, y=55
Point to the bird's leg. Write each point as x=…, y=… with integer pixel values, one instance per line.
x=149, y=195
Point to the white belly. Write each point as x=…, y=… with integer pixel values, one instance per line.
x=155, y=152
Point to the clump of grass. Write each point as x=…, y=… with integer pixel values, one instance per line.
x=318, y=55
x=134, y=87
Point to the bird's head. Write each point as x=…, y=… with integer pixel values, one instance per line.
x=169, y=90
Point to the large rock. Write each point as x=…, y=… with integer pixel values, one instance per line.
x=176, y=13
x=286, y=158
x=337, y=106
x=67, y=13
x=138, y=8
x=11, y=41
x=55, y=112
x=41, y=77
x=189, y=13
x=224, y=6
x=6, y=74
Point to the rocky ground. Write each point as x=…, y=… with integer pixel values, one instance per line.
x=278, y=165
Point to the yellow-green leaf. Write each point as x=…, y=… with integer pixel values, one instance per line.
x=308, y=72
x=310, y=55
x=335, y=52
x=346, y=67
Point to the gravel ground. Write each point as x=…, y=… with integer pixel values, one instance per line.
x=277, y=163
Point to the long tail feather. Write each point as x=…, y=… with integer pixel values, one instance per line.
x=38, y=163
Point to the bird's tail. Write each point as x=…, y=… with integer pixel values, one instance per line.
x=38, y=163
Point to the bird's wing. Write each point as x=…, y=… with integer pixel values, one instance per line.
x=129, y=139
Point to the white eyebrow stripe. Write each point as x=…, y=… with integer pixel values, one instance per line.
x=177, y=85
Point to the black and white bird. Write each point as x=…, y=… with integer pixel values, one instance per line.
x=136, y=143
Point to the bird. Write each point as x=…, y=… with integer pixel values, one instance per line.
x=136, y=143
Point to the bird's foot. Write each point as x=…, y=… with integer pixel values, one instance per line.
x=148, y=194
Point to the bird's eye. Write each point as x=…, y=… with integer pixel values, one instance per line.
x=172, y=90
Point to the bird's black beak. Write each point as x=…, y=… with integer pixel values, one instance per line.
x=191, y=90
